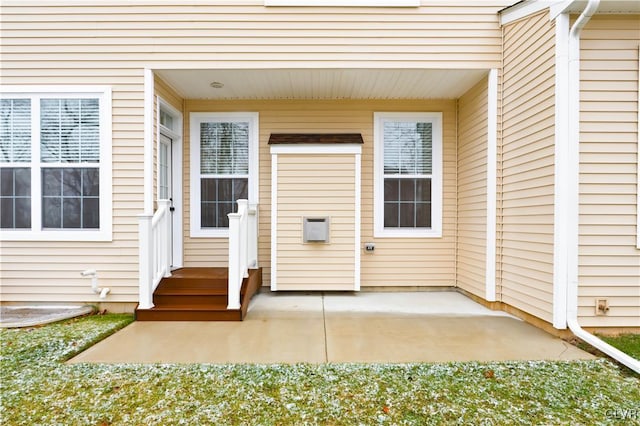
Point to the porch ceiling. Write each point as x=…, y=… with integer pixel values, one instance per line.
x=322, y=83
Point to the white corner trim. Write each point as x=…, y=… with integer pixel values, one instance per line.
x=561, y=173
x=274, y=222
x=343, y=3
x=524, y=9
x=638, y=163
x=149, y=109
x=358, y=220
x=492, y=187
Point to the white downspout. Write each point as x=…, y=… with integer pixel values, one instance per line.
x=572, y=218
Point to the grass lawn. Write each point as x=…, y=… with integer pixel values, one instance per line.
x=627, y=343
x=36, y=387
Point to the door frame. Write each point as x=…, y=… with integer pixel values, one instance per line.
x=175, y=134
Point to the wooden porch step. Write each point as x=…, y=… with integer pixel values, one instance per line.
x=189, y=313
x=199, y=294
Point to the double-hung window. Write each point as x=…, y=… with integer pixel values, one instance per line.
x=223, y=168
x=55, y=164
x=408, y=174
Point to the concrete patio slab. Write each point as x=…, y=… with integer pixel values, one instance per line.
x=359, y=327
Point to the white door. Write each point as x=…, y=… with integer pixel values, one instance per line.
x=165, y=183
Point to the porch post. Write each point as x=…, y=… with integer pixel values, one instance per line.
x=145, y=273
x=233, y=290
x=165, y=239
x=243, y=210
x=252, y=235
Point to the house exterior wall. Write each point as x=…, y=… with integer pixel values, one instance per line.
x=119, y=34
x=527, y=166
x=472, y=189
x=111, y=43
x=312, y=185
x=396, y=261
x=609, y=262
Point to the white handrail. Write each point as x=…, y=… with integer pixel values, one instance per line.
x=243, y=245
x=154, y=251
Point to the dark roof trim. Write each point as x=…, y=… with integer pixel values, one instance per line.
x=512, y=6
x=314, y=138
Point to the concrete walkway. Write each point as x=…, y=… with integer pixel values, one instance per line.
x=360, y=327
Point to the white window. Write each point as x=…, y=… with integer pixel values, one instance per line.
x=224, y=153
x=408, y=174
x=55, y=164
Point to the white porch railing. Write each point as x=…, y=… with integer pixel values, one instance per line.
x=243, y=248
x=155, y=251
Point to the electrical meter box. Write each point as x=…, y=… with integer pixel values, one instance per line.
x=315, y=229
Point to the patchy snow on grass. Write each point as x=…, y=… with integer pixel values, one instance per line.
x=37, y=388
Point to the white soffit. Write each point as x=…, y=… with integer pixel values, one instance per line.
x=322, y=83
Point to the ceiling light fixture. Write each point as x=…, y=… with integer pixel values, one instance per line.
x=217, y=85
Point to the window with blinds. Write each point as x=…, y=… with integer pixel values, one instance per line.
x=407, y=151
x=50, y=150
x=69, y=131
x=15, y=130
x=223, y=154
x=15, y=150
x=69, y=137
x=407, y=174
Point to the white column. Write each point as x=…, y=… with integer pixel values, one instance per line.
x=252, y=229
x=145, y=261
x=166, y=236
x=233, y=290
x=242, y=209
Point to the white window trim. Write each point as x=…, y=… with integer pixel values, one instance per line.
x=436, y=181
x=104, y=233
x=196, y=118
x=175, y=136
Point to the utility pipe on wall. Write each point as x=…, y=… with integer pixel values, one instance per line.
x=94, y=283
x=572, y=218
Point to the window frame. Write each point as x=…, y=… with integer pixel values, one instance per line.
x=435, y=231
x=37, y=233
x=196, y=118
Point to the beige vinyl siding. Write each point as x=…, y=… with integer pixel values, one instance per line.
x=396, y=261
x=312, y=185
x=528, y=165
x=472, y=189
x=50, y=271
x=111, y=43
x=609, y=260
x=443, y=34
